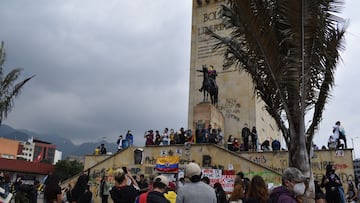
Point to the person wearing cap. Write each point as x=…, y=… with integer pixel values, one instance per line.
x=125, y=189
x=195, y=191
x=160, y=185
x=293, y=186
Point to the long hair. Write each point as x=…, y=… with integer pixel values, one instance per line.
x=218, y=187
x=238, y=192
x=258, y=189
x=51, y=187
x=80, y=187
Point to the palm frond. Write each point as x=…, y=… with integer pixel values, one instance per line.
x=268, y=41
x=8, y=89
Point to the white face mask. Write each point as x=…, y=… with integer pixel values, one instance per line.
x=299, y=188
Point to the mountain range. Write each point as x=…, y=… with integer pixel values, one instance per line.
x=66, y=146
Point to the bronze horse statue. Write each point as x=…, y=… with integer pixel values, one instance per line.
x=209, y=86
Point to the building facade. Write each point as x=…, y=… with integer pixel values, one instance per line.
x=356, y=164
x=9, y=149
x=236, y=97
x=26, y=150
x=32, y=150
x=44, y=151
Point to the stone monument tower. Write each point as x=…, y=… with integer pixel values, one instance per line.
x=236, y=98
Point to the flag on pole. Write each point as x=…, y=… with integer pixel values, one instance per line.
x=38, y=158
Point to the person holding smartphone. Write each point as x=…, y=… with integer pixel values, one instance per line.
x=126, y=188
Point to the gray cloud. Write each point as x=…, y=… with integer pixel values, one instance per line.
x=101, y=69
x=105, y=67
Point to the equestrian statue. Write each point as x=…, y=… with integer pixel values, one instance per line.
x=209, y=86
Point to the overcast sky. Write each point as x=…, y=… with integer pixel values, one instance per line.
x=103, y=67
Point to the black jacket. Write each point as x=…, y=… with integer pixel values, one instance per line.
x=126, y=194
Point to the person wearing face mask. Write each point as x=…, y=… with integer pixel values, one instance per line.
x=293, y=186
x=333, y=186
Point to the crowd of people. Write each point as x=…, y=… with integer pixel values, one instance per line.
x=196, y=188
x=18, y=190
x=124, y=187
x=250, y=141
x=168, y=137
x=247, y=142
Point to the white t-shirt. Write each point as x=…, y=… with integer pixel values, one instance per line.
x=336, y=132
x=120, y=144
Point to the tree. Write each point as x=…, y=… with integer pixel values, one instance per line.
x=291, y=50
x=66, y=169
x=8, y=89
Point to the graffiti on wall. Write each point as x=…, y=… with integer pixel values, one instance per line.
x=230, y=109
x=278, y=164
x=269, y=177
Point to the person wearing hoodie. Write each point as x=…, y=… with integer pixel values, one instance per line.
x=125, y=189
x=293, y=186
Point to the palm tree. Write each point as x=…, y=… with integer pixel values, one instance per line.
x=8, y=89
x=290, y=49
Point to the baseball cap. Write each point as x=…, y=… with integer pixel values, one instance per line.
x=293, y=174
x=162, y=179
x=192, y=169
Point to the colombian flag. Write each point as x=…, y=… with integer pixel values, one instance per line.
x=167, y=163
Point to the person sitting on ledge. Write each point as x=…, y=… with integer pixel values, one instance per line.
x=275, y=145
x=236, y=145
x=265, y=146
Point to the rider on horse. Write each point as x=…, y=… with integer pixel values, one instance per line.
x=212, y=77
